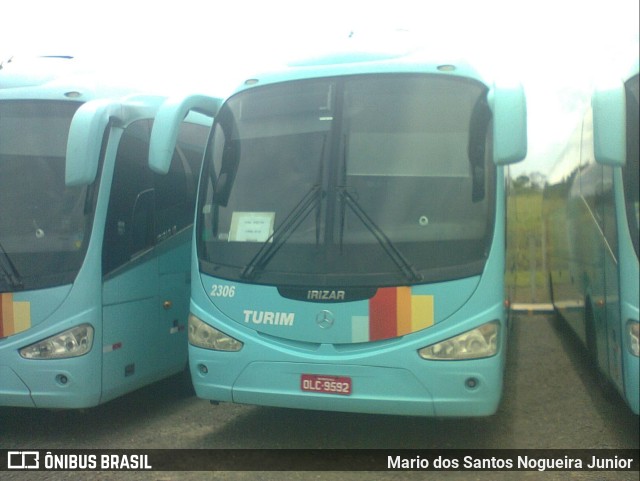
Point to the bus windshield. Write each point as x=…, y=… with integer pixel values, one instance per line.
x=42, y=222
x=365, y=180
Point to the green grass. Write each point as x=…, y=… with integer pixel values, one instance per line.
x=525, y=263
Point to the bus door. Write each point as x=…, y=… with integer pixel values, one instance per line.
x=132, y=331
x=146, y=259
x=175, y=204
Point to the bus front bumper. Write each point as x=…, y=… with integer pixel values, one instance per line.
x=62, y=384
x=13, y=392
x=454, y=388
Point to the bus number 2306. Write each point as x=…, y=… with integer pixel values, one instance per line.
x=218, y=290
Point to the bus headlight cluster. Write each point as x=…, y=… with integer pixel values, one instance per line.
x=71, y=343
x=474, y=344
x=633, y=329
x=203, y=335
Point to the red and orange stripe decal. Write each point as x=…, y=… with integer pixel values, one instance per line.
x=394, y=312
x=15, y=316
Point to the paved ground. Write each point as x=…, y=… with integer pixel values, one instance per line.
x=551, y=400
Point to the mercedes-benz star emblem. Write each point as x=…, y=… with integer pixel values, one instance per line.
x=325, y=319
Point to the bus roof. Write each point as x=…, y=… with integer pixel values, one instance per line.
x=356, y=63
x=58, y=78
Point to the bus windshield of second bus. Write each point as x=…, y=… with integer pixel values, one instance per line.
x=335, y=172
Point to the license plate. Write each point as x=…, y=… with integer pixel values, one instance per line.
x=326, y=384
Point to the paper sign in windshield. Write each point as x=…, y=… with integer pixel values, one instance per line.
x=251, y=226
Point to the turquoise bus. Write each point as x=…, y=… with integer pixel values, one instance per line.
x=590, y=209
x=349, y=241
x=94, y=246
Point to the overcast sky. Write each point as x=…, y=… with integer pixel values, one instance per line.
x=556, y=48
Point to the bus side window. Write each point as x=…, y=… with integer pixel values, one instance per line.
x=176, y=191
x=596, y=186
x=630, y=169
x=130, y=216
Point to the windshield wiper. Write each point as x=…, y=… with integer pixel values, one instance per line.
x=9, y=271
x=408, y=271
x=280, y=235
x=298, y=214
x=389, y=248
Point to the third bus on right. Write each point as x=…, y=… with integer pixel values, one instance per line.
x=590, y=211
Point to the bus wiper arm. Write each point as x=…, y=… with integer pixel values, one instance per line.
x=390, y=249
x=9, y=271
x=280, y=235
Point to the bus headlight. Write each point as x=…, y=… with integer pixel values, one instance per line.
x=71, y=343
x=474, y=344
x=203, y=335
x=633, y=330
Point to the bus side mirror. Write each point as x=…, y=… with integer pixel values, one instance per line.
x=609, y=125
x=166, y=126
x=85, y=140
x=509, y=124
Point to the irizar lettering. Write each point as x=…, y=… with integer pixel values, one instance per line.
x=319, y=295
x=268, y=317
